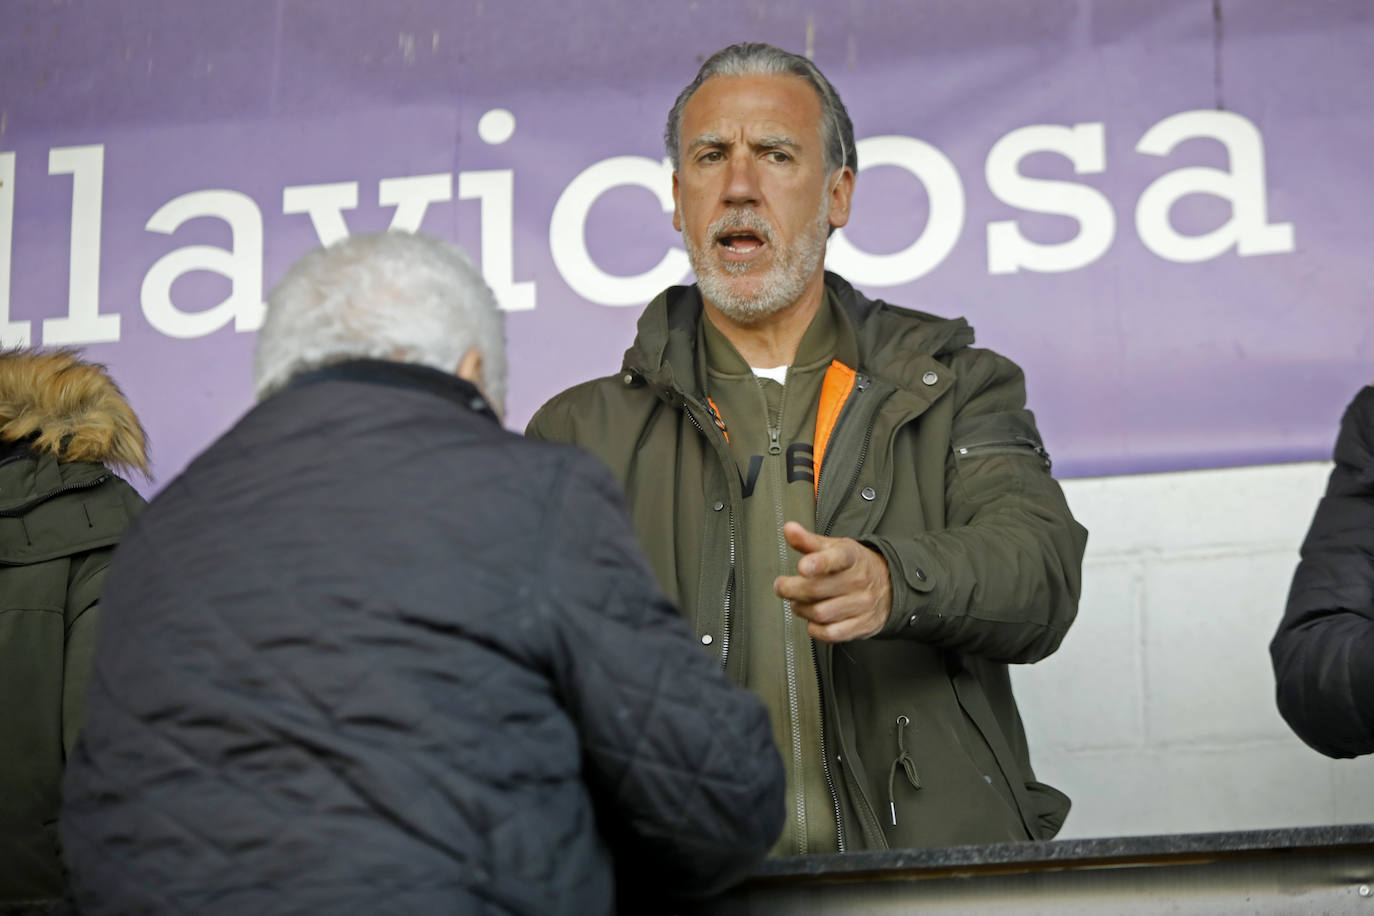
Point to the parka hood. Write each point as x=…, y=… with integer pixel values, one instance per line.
x=885, y=334
x=60, y=405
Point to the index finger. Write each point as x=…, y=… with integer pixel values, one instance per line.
x=833, y=559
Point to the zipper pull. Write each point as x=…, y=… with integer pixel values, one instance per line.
x=773, y=447
x=716, y=418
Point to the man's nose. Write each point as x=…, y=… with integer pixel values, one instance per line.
x=742, y=185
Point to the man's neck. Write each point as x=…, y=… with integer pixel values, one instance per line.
x=774, y=340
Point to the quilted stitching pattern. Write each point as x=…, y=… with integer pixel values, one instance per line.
x=1323, y=649
x=373, y=654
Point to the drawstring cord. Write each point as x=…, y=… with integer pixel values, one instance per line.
x=906, y=763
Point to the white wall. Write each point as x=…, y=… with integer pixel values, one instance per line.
x=1157, y=714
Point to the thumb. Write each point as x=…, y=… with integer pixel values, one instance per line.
x=802, y=540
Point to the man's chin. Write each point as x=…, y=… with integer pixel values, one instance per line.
x=744, y=305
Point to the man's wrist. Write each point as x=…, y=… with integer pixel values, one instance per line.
x=910, y=584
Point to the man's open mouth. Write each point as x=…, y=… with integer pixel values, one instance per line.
x=740, y=241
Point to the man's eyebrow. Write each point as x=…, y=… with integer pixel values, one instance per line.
x=706, y=140
x=773, y=142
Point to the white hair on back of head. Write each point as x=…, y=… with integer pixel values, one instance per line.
x=394, y=296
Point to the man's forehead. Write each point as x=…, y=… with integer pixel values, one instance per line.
x=774, y=103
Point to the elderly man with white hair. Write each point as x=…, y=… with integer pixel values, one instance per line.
x=372, y=653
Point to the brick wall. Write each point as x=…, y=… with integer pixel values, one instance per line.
x=1157, y=714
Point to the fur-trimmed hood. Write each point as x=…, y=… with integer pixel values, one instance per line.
x=69, y=408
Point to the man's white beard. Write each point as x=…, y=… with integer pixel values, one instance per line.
x=781, y=285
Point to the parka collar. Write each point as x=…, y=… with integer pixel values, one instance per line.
x=30, y=476
x=888, y=338
x=401, y=375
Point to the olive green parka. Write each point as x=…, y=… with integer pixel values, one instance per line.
x=62, y=510
x=932, y=460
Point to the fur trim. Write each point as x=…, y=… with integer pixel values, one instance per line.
x=72, y=409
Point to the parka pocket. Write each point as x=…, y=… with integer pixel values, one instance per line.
x=1003, y=447
x=1050, y=807
x=1009, y=433
x=1042, y=808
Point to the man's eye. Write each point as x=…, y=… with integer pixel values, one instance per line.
x=711, y=156
x=778, y=155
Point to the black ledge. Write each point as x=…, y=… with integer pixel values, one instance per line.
x=1183, y=848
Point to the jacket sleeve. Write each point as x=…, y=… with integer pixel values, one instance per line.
x=1323, y=652
x=82, y=617
x=1001, y=579
x=680, y=763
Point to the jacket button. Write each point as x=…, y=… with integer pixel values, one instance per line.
x=718, y=505
x=629, y=379
x=920, y=574
x=868, y=493
x=930, y=378
x=706, y=639
x=912, y=621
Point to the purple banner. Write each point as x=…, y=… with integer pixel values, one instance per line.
x=1160, y=209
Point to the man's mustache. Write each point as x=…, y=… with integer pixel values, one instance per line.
x=741, y=218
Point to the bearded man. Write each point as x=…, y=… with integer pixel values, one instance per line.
x=851, y=505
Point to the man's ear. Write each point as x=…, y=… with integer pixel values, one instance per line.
x=470, y=367
x=677, y=209
x=841, y=193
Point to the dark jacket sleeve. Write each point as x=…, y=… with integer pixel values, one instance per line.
x=681, y=764
x=1323, y=652
x=82, y=621
x=1002, y=579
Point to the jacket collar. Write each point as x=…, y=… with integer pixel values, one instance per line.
x=401, y=375
x=29, y=476
x=888, y=340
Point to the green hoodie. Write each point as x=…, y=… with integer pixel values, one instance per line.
x=926, y=453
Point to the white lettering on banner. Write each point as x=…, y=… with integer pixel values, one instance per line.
x=411, y=196
x=496, y=190
x=83, y=322
x=1244, y=186
x=943, y=226
x=325, y=203
x=242, y=264
x=1083, y=145
x=12, y=333
x=568, y=237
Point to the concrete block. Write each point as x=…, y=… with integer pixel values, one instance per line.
x=1208, y=621
x=1353, y=790
x=1268, y=507
x=1089, y=693
x=1200, y=791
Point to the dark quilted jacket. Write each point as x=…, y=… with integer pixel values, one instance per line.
x=373, y=654
x=1324, y=650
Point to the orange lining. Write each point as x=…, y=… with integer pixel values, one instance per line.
x=839, y=381
x=720, y=422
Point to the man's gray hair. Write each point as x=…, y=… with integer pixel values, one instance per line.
x=394, y=296
x=758, y=59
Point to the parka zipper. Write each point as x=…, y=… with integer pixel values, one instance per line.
x=16, y=511
x=825, y=751
x=1011, y=446
x=861, y=383
x=729, y=588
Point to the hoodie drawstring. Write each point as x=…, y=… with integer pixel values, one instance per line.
x=906, y=763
